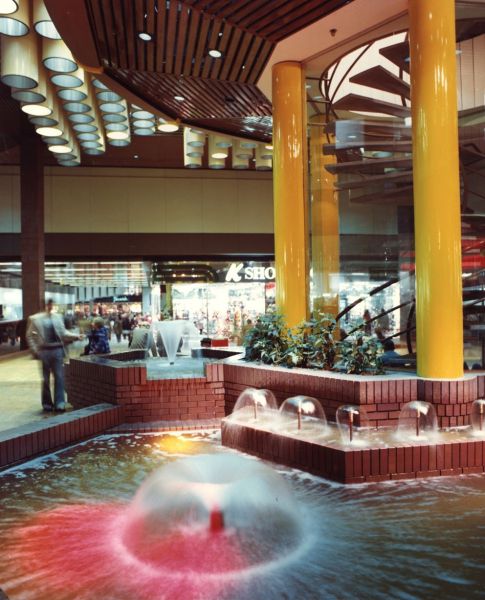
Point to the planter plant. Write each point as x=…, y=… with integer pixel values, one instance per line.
x=311, y=345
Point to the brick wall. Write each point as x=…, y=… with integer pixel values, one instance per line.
x=91, y=380
x=25, y=442
x=381, y=396
x=403, y=461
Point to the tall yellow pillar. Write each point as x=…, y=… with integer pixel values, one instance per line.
x=439, y=317
x=324, y=223
x=289, y=191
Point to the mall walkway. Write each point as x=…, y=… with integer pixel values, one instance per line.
x=20, y=382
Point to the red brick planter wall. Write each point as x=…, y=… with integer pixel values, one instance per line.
x=382, y=396
x=403, y=461
x=91, y=380
x=25, y=442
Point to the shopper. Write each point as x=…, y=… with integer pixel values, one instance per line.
x=46, y=335
x=98, y=338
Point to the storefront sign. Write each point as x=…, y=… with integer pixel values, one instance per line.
x=238, y=272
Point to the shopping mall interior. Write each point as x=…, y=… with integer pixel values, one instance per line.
x=210, y=162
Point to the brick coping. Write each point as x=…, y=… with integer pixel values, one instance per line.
x=20, y=444
x=389, y=374
x=165, y=426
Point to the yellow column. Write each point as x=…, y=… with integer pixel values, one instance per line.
x=289, y=191
x=324, y=223
x=439, y=317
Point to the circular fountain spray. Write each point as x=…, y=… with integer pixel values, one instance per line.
x=255, y=407
x=215, y=516
x=352, y=421
x=302, y=415
x=477, y=417
x=417, y=422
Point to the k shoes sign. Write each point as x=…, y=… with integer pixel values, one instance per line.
x=238, y=272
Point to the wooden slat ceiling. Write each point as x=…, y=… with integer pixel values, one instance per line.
x=271, y=19
x=177, y=62
x=203, y=99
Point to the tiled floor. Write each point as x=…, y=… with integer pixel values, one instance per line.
x=20, y=382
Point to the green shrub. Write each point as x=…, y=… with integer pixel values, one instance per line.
x=310, y=345
x=359, y=354
x=267, y=341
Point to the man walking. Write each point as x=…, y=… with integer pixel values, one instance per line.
x=45, y=336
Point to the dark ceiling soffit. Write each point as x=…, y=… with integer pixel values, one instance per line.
x=110, y=80
x=72, y=22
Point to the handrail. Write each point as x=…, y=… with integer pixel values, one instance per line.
x=381, y=314
x=373, y=292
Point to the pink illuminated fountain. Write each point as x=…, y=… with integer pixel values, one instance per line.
x=195, y=530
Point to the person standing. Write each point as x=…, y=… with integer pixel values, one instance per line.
x=45, y=336
x=98, y=338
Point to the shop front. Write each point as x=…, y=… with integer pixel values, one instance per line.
x=228, y=300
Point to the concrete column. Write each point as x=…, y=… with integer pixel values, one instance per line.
x=32, y=221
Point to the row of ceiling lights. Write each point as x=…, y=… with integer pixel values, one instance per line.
x=71, y=111
x=218, y=150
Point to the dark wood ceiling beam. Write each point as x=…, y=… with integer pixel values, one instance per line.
x=262, y=59
x=241, y=56
x=150, y=51
x=114, y=23
x=200, y=53
x=193, y=29
x=171, y=36
x=269, y=13
x=250, y=60
x=212, y=44
x=229, y=56
x=130, y=17
x=303, y=15
x=184, y=19
x=161, y=27
x=224, y=41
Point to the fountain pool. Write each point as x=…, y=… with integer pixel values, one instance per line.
x=62, y=516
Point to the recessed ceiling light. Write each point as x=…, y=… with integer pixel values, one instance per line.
x=179, y=98
x=215, y=53
x=135, y=156
x=145, y=36
x=168, y=126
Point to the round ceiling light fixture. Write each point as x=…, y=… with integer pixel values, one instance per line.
x=118, y=135
x=145, y=36
x=179, y=98
x=168, y=126
x=8, y=7
x=215, y=53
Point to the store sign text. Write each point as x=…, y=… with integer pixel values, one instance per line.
x=238, y=272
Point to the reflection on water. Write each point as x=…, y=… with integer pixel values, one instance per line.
x=403, y=540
